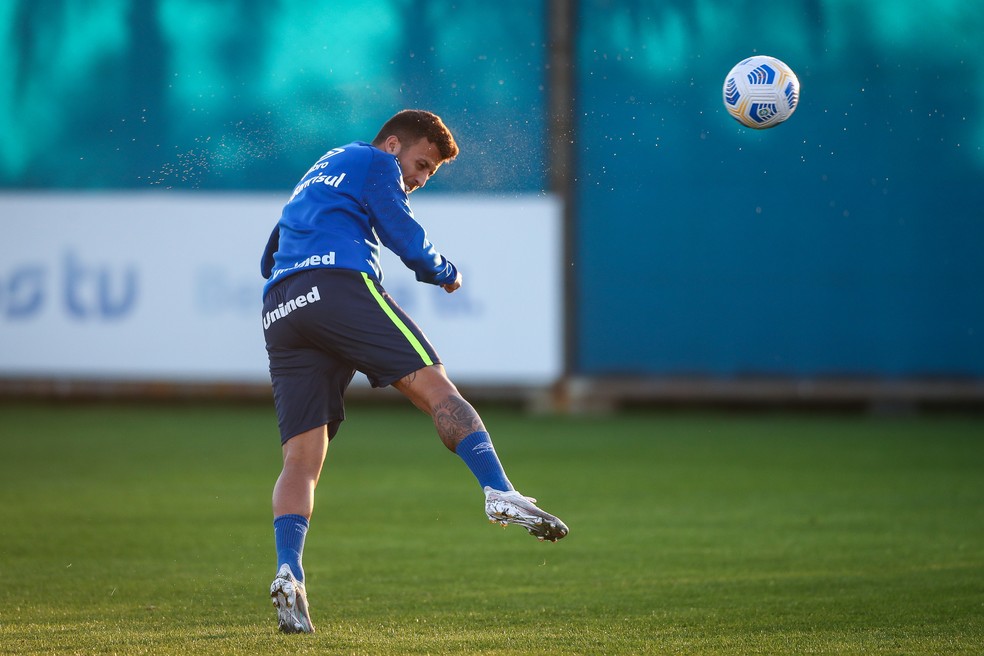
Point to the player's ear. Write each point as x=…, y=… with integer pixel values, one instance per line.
x=392, y=145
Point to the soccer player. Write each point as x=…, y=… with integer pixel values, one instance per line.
x=326, y=316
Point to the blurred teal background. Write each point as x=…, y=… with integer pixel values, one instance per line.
x=845, y=242
x=244, y=95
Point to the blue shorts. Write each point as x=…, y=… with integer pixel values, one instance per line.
x=323, y=325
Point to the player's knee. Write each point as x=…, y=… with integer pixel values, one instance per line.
x=307, y=448
x=426, y=387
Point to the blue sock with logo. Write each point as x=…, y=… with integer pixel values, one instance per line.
x=289, y=532
x=479, y=454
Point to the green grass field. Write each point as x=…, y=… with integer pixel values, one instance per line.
x=146, y=529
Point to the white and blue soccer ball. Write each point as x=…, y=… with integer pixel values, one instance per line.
x=761, y=92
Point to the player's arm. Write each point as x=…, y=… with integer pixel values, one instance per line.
x=273, y=243
x=394, y=223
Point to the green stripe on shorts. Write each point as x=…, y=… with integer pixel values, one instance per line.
x=417, y=346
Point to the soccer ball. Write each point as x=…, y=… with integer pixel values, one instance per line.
x=761, y=92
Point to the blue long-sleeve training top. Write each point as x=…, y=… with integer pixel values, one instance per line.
x=346, y=205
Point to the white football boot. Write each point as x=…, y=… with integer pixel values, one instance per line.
x=290, y=601
x=513, y=508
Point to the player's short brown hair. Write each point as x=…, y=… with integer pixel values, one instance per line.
x=412, y=125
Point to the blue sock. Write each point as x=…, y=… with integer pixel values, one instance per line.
x=479, y=454
x=289, y=532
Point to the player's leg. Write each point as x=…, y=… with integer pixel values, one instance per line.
x=384, y=343
x=461, y=429
x=458, y=424
x=293, y=495
x=308, y=389
x=430, y=389
x=293, y=504
x=304, y=457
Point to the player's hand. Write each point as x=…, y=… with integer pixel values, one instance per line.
x=451, y=286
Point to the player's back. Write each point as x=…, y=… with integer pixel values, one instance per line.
x=325, y=223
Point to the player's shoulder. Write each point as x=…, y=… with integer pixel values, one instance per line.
x=355, y=151
x=367, y=155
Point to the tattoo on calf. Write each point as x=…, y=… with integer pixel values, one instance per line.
x=455, y=419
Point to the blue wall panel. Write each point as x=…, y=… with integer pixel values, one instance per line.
x=846, y=241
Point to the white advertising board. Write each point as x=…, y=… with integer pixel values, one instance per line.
x=166, y=286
